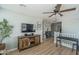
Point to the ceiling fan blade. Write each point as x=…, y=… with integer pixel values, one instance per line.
x=52, y=15
x=47, y=12
x=68, y=10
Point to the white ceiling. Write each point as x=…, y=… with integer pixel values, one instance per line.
x=35, y=10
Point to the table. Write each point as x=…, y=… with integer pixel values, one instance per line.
x=69, y=39
x=25, y=42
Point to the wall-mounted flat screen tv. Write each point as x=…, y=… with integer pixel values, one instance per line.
x=27, y=27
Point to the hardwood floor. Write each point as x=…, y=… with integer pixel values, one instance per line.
x=46, y=48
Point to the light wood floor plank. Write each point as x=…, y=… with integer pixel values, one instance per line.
x=46, y=48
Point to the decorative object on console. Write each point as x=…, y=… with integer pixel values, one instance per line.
x=29, y=34
x=25, y=34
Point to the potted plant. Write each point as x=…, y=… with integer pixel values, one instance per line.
x=5, y=31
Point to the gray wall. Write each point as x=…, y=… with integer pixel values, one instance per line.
x=15, y=19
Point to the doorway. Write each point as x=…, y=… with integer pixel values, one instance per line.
x=56, y=27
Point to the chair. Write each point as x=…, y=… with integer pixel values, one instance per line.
x=73, y=46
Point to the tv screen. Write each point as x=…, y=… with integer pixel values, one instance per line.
x=27, y=27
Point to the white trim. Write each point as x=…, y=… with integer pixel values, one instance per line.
x=10, y=50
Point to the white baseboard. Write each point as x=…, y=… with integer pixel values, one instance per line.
x=10, y=50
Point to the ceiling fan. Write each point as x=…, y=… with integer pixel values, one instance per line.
x=58, y=11
x=22, y=5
